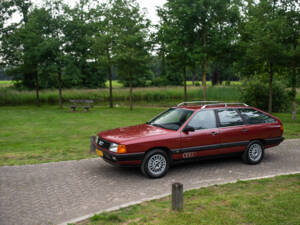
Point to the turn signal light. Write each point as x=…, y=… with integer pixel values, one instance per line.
x=122, y=149
x=281, y=128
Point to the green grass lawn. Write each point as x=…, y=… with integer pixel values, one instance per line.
x=272, y=201
x=291, y=128
x=29, y=134
x=36, y=135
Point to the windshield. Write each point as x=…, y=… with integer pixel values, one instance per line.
x=171, y=119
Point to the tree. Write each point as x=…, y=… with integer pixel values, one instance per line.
x=104, y=40
x=290, y=10
x=132, y=46
x=79, y=32
x=34, y=35
x=199, y=31
x=56, y=39
x=175, y=38
x=11, y=51
x=262, y=40
x=26, y=47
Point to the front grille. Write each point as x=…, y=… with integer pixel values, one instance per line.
x=103, y=143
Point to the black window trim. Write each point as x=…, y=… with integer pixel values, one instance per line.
x=218, y=118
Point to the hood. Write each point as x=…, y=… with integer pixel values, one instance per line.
x=121, y=135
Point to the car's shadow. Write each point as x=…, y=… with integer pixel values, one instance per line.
x=110, y=171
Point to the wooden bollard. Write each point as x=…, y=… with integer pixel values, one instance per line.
x=92, y=145
x=177, y=196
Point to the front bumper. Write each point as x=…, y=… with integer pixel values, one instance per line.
x=128, y=159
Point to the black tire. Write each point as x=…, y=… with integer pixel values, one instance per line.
x=156, y=156
x=254, y=153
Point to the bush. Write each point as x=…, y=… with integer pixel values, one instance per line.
x=256, y=93
x=159, y=81
x=227, y=83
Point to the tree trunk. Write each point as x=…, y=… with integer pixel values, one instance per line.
x=110, y=87
x=270, y=88
x=204, y=64
x=37, y=89
x=60, y=88
x=130, y=90
x=110, y=80
x=163, y=64
x=184, y=83
x=204, y=79
x=294, y=83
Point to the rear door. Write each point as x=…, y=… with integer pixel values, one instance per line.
x=203, y=140
x=233, y=131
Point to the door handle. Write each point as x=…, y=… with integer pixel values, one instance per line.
x=214, y=133
x=244, y=130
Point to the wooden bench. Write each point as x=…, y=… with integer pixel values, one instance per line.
x=84, y=103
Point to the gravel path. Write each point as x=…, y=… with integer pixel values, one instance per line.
x=54, y=193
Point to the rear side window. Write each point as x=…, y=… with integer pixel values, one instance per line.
x=255, y=117
x=203, y=120
x=229, y=117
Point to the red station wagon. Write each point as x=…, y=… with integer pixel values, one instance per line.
x=189, y=131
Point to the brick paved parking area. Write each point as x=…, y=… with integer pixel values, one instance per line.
x=54, y=193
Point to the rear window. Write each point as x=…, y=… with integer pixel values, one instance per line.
x=229, y=117
x=252, y=116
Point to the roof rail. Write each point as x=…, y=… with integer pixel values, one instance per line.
x=225, y=104
x=198, y=102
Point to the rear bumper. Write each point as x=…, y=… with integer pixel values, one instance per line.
x=129, y=159
x=273, y=141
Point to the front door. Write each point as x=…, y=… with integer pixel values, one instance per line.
x=205, y=137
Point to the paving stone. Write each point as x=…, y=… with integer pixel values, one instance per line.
x=53, y=193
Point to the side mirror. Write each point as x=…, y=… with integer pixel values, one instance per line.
x=188, y=129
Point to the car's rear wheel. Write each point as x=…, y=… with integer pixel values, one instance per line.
x=254, y=152
x=155, y=164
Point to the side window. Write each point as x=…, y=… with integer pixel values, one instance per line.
x=229, y=117
x=203, y=120
x=255, y=117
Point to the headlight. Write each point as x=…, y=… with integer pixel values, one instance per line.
x=117, y=148
x=113, y=147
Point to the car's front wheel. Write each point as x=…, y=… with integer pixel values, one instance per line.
x=155, y=164
x=254, y=152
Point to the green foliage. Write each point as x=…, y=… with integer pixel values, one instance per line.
x=166, y=95
x=255, y=93
x=268, y=37
x=160, y=81
x=193, y=33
